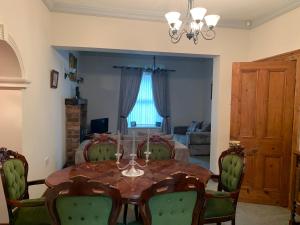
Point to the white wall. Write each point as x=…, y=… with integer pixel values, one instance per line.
x=277, y=36
x=42, y=108
x=190, y=85
x=231, y=45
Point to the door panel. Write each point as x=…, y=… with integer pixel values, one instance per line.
x=261, y=119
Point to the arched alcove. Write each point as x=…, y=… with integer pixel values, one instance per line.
x=9, y=63
x=12, y=73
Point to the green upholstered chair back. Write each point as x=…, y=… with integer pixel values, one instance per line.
x=231, y=164
x=81, y=202
x=14, y=170
x=101, y=148
x=177, y=200
x=160, y=148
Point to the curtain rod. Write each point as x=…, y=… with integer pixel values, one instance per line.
x=145, y=69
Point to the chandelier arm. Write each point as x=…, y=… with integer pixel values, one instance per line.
x=208, y=34
x=176, y=38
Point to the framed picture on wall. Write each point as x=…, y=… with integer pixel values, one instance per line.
x=54, y=79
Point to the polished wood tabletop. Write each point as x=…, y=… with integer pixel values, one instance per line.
x=130, y=188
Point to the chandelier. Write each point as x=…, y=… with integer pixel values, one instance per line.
x=195, y=23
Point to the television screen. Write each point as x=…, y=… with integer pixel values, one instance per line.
x=99, y=126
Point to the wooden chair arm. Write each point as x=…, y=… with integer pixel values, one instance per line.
x=36, y=182
x=26, y=202
x=215, y=177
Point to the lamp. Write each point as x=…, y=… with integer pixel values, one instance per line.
x=196, y=23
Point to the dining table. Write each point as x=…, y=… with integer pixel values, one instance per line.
x=131, y=188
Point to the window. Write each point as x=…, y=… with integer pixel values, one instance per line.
x=144, y=113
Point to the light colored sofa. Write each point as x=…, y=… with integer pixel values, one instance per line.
x=196, y=137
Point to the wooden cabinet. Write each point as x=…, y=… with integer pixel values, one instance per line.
x=76, y=126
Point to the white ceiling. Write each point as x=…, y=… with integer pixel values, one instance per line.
x=234, y=13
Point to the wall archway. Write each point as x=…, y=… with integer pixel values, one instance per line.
x=12, y=71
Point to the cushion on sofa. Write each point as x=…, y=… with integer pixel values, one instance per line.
x=193, y=126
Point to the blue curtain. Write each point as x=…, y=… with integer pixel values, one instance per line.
x=144, y=112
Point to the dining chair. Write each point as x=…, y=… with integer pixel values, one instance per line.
x=177, y=200
x=81, y=201
x=221, y=204
x=102, y=148
x=160, y=148
x=21, y=209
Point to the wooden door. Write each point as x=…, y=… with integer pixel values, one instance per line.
x=262, y=120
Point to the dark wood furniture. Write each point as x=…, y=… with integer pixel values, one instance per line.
x=99, y=140
x=155, y=140
x=178, y=182
x=130, y=188
x=225, y=191
x=19, y=200
x=83, y=187
x=76, y=126
x=295, y=189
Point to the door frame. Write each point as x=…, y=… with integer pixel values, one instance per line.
x=292, y=56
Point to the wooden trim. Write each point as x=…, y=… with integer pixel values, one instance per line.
x=292, y=56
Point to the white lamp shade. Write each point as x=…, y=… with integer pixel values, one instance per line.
x=196, y=26
x=172, y=17
x=177, y=25
x=212, y=20
x=198, y=13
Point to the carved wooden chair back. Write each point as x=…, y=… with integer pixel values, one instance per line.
x=102, y=148
x=177, y=200
x=160, y=148
x=231, y=169
x=83, y=201
x=14, y=172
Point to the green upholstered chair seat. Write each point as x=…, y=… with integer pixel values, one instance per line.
x=78, y=210
x=37, y=215
x=14, y=172
x=218, y=207
x=158, y=151
x=173, y=208
x=102, y=151
x=232, y=168
x=33, y=202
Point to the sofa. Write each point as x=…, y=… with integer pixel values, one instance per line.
x=196, y=137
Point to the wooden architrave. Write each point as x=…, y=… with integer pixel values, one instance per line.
x=292, y=56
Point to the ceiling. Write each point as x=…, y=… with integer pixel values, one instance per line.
x=234, y=13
